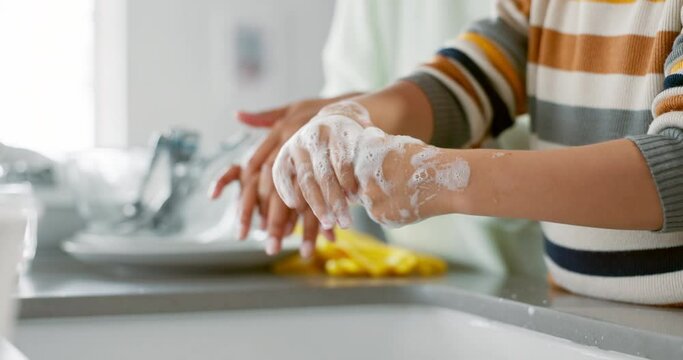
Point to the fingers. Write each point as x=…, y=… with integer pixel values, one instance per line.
x=262, y=119
x=229, y=176
x=329, y=234
x=347, y=178
x=283, y=173
x=266, y=176
x=278, y=217
x=371, y=203
x=310, y=188
x=268, y=146
x=324, y=172
x=332, y=192
x=311, y=227
x=265, y=185
x=247, y=204
x=342, y=155
x=291, y=223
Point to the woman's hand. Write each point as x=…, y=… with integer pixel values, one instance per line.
x=280, y=220
x=257, y=190
x=339, y=156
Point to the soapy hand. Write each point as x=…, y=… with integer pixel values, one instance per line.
x=320, y=158
x=339, y=157
x=403, y=181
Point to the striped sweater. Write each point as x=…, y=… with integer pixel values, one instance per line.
x=586, y=71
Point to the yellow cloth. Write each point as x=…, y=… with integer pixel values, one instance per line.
x=357, y=254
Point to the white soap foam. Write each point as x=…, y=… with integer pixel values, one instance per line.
x=454, y=175
x=432, y=173
x=343, y=134
x=372, y=148
x=351, y=141
x=282, y=171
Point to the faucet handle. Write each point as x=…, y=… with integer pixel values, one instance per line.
x=183, y=144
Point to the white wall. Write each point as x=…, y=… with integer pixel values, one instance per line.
x=45, y=75
x=180, y=61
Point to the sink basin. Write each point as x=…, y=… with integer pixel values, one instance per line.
x=341, y=332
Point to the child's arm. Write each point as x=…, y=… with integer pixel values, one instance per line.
x=401, y=180
x=605, y=185
x=455, y=88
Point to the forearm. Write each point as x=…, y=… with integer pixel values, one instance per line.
x=400, y=109
x=345, y=96
x=606, y=185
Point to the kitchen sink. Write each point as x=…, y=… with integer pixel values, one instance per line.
x=335, y=332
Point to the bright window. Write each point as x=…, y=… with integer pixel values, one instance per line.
x=46, y=71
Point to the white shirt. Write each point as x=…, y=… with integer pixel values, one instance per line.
x=374, y=42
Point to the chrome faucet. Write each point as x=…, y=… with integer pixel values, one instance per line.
x=168, y=181
x=174, y=177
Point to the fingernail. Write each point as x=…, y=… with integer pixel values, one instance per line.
x=306, y=249
x=271, y=246
x=327, y=222
x=345, y=220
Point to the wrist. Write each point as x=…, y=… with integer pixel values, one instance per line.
x=454, y=183
x=349, y=109
x=441, y=178
x=493, y=178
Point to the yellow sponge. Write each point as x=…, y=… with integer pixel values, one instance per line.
x=357, y=254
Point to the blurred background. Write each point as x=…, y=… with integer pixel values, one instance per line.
x=89, y=74
x=80, y=75
x=83, y=73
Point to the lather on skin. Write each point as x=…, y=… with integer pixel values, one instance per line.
x=589, y=185
x=605, y=95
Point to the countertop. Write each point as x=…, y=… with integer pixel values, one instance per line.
x=58, y=286
x=9, y=352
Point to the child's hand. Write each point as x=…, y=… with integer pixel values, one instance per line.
x=397, y=179
x=320, y=158
x=409, y=182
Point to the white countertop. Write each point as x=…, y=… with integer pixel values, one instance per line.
x=9, y=352
x=58, y=286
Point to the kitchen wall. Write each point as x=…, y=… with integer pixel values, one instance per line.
x=193, y=63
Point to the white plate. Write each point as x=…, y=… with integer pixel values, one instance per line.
x=172, y=252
